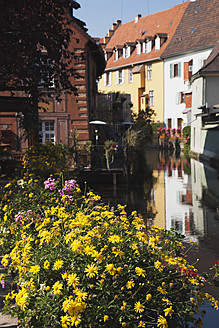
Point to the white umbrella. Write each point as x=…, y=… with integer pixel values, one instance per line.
x=97, y=122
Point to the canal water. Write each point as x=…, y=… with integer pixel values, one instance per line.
x=182, y=194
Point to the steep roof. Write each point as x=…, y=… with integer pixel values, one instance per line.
x=163, y=23
x=211, y=64
x=199, y=28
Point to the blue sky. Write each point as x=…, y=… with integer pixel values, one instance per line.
x=99, y=15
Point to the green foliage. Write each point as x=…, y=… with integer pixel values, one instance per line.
x=143, y=126
x=79, y=264
x=187, y=140
x=44, y=160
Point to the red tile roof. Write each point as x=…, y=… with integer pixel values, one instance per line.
x=161, y=23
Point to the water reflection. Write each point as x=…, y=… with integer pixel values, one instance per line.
x=183, y=194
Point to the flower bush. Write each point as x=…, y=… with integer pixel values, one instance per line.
x=79, y=264
x=110, y=147
x=46, y=159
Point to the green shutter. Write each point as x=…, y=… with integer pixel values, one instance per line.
x=179, y=69
x=171, y=71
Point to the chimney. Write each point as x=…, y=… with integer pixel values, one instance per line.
x=110, y=33
x=118, y=22
x=137, y=17
x=114, y=26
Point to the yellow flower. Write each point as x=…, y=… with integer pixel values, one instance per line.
x=115, y=239
x=91, y=270
x=111, y=269
x=148, y=297
x=81, y=296
x=31, y=195
x=139, y=307
x=140, y=272
x=158, y=265
x=123, y=324
x=5, y=261
x=141, y=324
x=168, y=311
x=161, y=290
x=56, y=288
x=130, y=284
x=162, y=322
x=73, y=280
x=46, y=265
x=35, y=269
x=58, y=264
x=106, y=317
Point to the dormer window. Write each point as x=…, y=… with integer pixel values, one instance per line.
x=126, y=51
x=108, y=54
x=157, y=43
x=138, y=46
x=118, y=52
x=148, y=46
x=144, y=47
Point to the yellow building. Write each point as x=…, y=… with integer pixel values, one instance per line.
x=133, y=53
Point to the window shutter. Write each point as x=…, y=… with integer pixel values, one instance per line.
x=171, y=71
x=123, y=76
x=124, y=52
x=110, y=78
x=117, y=77
x=179, y=69
x=105, y=79
x=177, y=97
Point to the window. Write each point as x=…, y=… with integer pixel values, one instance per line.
x=149, y=72
x=116, y=54
x=179, y=123
x=169, y=123
x=157, y=44
x=126, y=52
x=175, y=70
x=138, y=48
x=151, y=98
x=108, y=79
x=47, y=132
x=120, y=77
x=180, y=98
x=148, y=46
x=130, y=75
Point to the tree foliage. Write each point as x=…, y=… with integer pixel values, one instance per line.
x=34, y=47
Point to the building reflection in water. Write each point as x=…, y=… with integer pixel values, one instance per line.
x=185, y=196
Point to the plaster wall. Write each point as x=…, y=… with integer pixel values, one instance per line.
x=173, y=86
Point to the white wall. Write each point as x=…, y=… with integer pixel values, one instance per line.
x=177, y=84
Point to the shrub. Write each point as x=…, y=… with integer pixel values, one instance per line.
x=44, y=160
x=78, y=263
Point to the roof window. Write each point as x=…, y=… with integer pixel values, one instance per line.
x=193, y=29
x=171, y=23
x=196, y=10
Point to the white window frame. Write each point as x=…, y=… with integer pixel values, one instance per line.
x=148, y=46
x=138, y=46
x=120, y=76
x=47, y=132
x=108, y=79
x=130, y=75
x=116, y=54
x=157, y=44
x=149, y=72
x=151, y=98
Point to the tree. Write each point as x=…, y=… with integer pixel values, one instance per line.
x=34, y=47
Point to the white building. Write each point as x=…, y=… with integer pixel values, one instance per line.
x=205, y=109
x=191, y=45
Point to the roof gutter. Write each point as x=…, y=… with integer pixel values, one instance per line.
x=186, y=52
x=133, y=64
